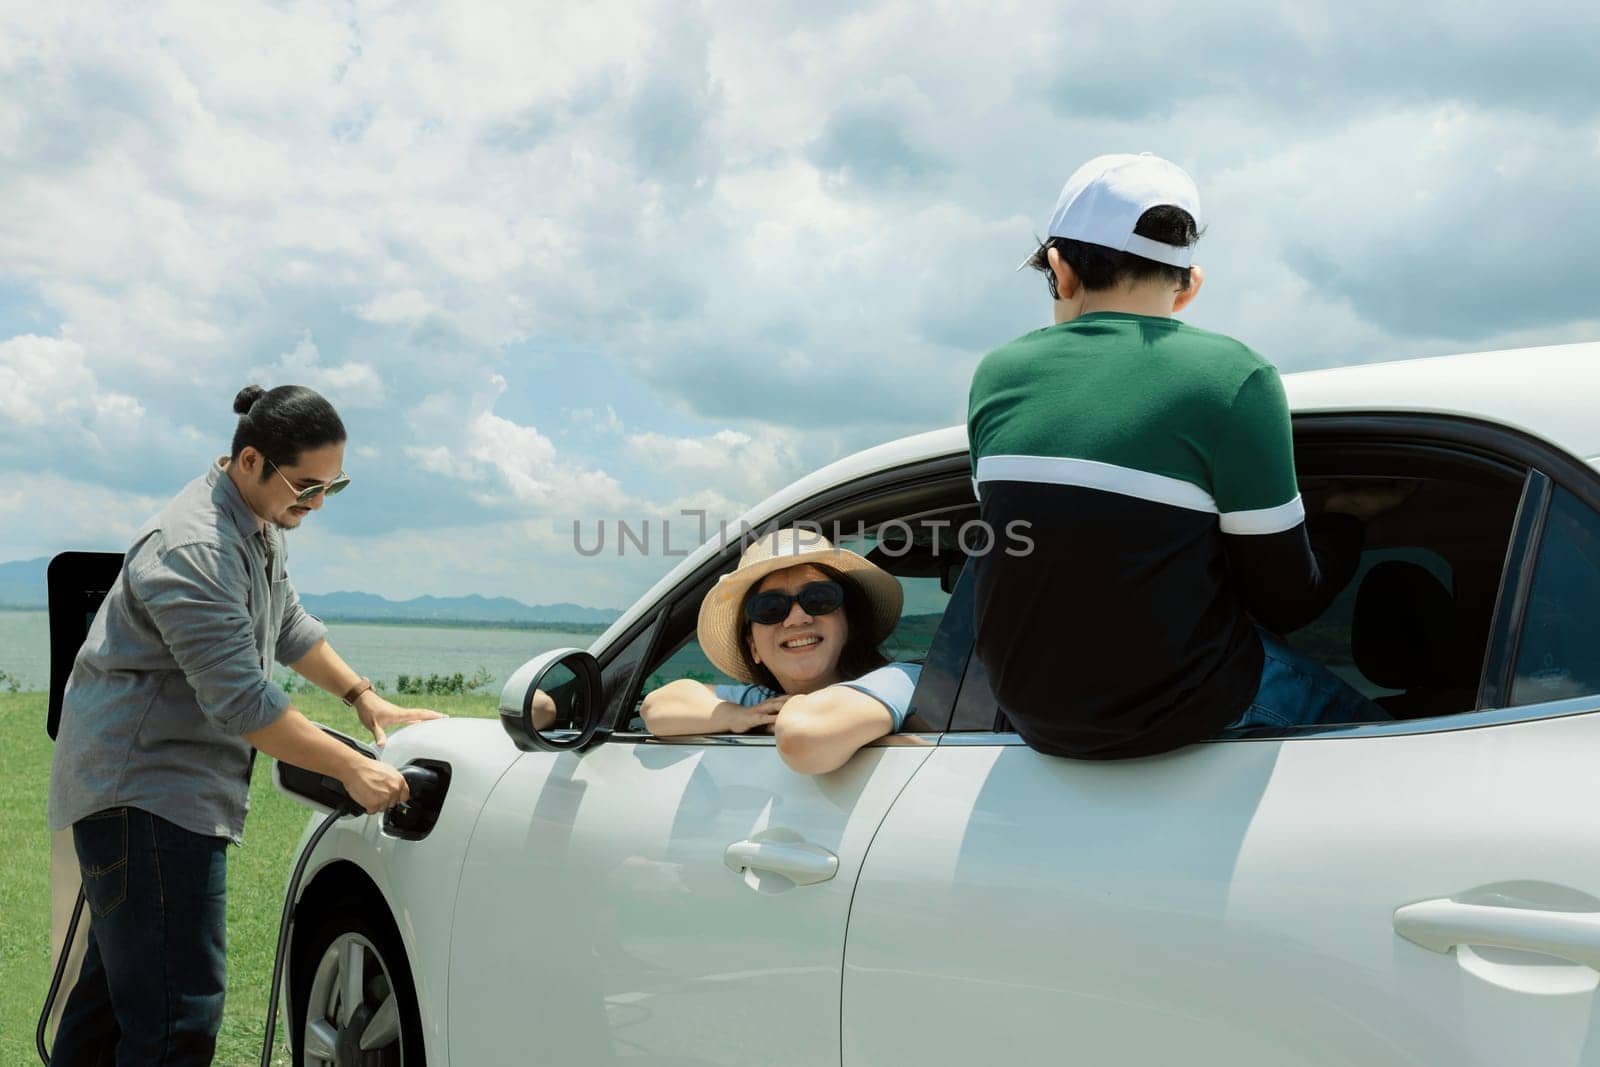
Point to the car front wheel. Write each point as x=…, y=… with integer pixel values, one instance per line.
x=355, y=1003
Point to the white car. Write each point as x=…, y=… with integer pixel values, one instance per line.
x=1425, y=891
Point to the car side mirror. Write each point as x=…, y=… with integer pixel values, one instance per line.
x=553, y=703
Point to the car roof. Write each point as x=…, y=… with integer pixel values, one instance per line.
x=1549, y=392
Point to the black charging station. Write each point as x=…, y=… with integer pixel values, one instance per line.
x=77, y=582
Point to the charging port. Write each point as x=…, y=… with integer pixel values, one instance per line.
x=429, y=781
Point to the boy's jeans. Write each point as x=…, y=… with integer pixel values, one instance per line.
x=1298, y=691
x=155, y=968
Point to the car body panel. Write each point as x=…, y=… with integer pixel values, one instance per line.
x=1232, y=902
x=598, y=916
x=418, y=879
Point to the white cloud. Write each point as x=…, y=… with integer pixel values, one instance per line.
x=51, y=401
x=728, y=463
x=508, y=465
x=698, y=454
x=528, y=466
x=43, y=514
x=396, y=308
x=42, y=378
x=1316, y=258
x=346, y=385
x=591, y=421
x=441, y=460
x=790, y=228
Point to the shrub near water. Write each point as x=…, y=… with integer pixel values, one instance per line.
x=455, y=684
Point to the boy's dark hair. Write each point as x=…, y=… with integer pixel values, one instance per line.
x=1100, y=268
x=860, y=654
x=284, y=422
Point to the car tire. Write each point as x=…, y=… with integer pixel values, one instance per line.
x=385, y=1016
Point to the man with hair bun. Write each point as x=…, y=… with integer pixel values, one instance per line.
x=169, y=699
x=1153, y=465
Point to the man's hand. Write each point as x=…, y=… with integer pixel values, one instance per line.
x=1367, y=502
x=377, y=714
x=323, y=668
x=294, y=739
x=374, y=785
x=742, y=720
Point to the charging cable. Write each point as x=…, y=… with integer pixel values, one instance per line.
x=55, y=983
x=287, y=922
x=418, y=781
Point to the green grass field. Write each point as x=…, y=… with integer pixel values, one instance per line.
x=258, y=872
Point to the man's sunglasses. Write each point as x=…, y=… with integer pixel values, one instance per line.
x=814, y=598
x=311, y=492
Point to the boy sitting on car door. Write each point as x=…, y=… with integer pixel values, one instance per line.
x=1155, y=465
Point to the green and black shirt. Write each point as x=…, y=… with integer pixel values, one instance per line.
x=1154, y=467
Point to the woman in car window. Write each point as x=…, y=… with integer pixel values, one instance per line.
x=799, y=622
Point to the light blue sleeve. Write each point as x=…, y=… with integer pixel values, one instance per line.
x=892, y=686
x=746, y=696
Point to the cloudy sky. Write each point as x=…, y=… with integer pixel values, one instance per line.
x=562, y=262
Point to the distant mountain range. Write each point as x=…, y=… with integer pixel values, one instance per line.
x=22, y=585
x=472, y=608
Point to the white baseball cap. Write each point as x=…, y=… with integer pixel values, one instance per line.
x=1103, y=200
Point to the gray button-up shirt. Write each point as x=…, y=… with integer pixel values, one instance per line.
x=177, y=666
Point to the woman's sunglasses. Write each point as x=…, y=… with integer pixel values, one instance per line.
x=814, y=598
x=311, y=492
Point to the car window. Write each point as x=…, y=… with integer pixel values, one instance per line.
x=1557, y=656
x=617, y=679
x=1410, y=631
x=919, y=620
x=1328, y=638
x=687, y=662
x=925, y=601
x=1409, y=682
x=921, y=550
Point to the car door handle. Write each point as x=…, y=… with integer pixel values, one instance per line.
x=802, y=864
x=1443, y=924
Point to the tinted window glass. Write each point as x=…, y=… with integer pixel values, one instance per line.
x=687, y=662
x=1419, y=685
x=1327, y=639
x=924, y=604
x=1558, y=656
x=919, y=620
x=618, y=677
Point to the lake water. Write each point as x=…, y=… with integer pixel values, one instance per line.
x=382, y=653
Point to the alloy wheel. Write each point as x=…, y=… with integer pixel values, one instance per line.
x=352, y=1013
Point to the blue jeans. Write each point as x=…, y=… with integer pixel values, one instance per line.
x=155, y=969
x=1296, y=690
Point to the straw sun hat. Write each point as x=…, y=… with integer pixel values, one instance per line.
x=722, y=609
